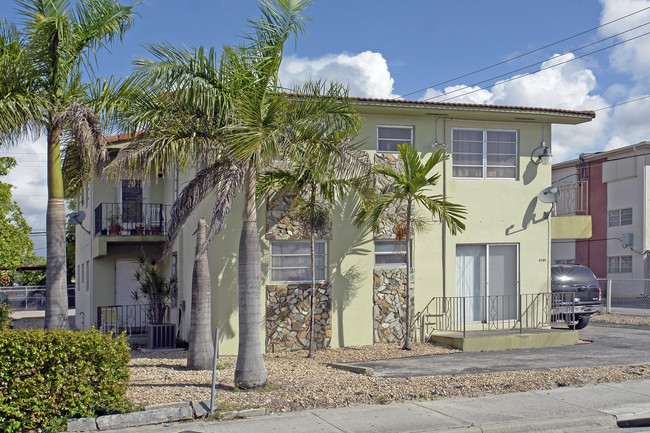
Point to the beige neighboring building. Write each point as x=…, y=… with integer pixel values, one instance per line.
x=612, y=188
x=494, y=170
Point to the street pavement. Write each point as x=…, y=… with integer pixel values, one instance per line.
x=592, y=408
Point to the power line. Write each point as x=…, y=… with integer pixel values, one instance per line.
x=527, y=53
x=623, y=103
x=541, y=69
x=545, y=60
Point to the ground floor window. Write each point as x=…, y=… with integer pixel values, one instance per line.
x=487, y=275
x=291, y=261
x=390, y=253
x=619, y=265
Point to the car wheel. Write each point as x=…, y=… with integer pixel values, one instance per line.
x=582, y=322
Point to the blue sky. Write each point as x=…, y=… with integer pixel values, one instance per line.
x=384, y=48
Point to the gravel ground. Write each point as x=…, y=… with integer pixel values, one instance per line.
x=621, y=319
x=296, y=382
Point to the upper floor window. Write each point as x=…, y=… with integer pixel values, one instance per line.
x=291, y=261
x=484, y=154
x=620, y=217
x=389, y=137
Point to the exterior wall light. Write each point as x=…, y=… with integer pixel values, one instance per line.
x=545, y=156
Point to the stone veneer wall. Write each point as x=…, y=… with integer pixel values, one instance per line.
x=279, y=225
x=389, y=303
x=392, y=223
x=287, y=316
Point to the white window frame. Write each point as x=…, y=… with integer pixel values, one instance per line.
x=615, y=265
x=307, y=253
x=615, y=217
x=484, y=166
x=396, y=140
x=398, y=247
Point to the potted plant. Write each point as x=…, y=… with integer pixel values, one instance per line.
x=114, y=226
x=159, y=291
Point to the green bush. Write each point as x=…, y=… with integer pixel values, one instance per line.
x=49, y=375
x=5, y=315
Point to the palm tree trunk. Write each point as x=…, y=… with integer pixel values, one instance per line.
x=201, y=350
x=407, y=327
x=312, y=334
x=250, y=371
x=56, y=310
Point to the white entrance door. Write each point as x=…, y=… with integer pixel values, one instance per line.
x=487, y=277
x=125, y=284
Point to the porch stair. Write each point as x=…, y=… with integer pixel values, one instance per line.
x=482, y=341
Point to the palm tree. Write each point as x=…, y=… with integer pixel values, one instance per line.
x=231, y=114
x=410, y=182
x=201, y=350
x=317, y=181
x=42, y=90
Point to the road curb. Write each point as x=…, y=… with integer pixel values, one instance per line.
x=565, y=424
x=352, y=368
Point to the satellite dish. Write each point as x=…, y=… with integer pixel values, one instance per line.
x=76, y=218
x=549, y=195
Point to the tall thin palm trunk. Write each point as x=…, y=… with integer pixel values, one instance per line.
x=56, y=311
x=250, y=371
x=407, y=335
x=201, y=350
x=312, y=334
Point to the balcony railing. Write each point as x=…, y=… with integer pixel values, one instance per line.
x=574, y=198
x=131, y=219
x=131, y=319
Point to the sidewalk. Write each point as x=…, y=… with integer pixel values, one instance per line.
x=590, y=408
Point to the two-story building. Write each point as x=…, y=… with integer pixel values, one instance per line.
x=612, y=188
x=495, y=170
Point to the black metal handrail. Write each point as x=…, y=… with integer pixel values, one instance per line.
x=131, y=319
x=498, y=312
x=131, y=219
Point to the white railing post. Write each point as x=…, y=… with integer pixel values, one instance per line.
x=609, y=296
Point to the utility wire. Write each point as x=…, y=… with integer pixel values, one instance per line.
x=623, y=103
x=530, y=73
x=527, y=53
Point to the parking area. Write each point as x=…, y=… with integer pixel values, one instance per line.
x=606, y=344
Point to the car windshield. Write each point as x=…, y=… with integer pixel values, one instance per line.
x=573, y=275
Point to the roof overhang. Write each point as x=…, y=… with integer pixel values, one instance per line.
x=472, y=111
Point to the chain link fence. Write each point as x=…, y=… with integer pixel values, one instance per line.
x=628, y=296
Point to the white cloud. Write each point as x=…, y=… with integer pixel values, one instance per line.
x=29, y=179
x=366, y=73
x=631, y=57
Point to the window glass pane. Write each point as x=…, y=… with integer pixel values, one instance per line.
x=468, y=171
x=626, y=217
x=390, y=246
x=467, y=135
x=290, y=261
x=390, y=259
x=613, y=218
x=465, y=159
x=388, y=146
x=507, y=160
x=290, y=248
x=468, y=147
x=502, y=136
x=612, y=264
x=626, y=264
x=394, y=133
x=501, y=172
x=319, y=247
x=320, y=274
x=507, y=148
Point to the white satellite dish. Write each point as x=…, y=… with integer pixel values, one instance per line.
x=549, y=195
x=76, y=218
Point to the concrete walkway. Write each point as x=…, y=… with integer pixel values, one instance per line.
x=609, y=345
x=593, y=408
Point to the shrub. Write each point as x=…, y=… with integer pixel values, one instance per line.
x=49, y=375
x=5, y=315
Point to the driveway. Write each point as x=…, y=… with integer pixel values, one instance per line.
x=609, y=345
